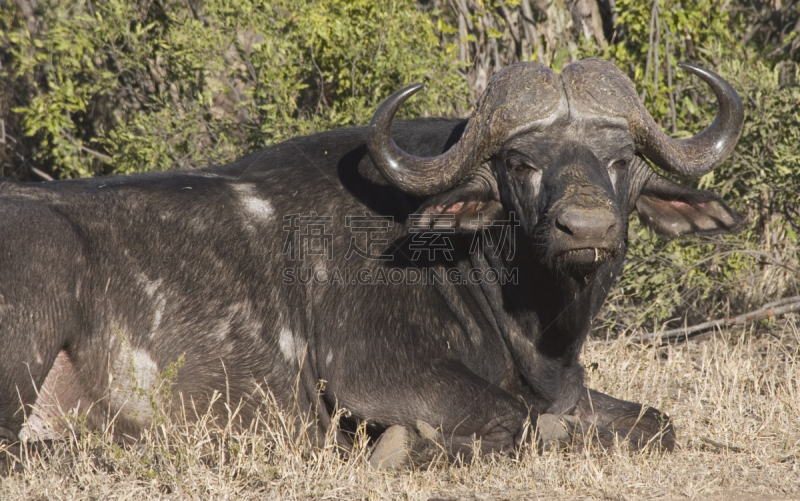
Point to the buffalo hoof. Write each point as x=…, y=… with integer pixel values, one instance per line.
x=610, y=421
x=649, y=430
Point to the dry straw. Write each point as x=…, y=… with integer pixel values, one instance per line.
x=734, y=397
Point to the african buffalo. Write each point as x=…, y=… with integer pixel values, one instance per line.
x=428, y=275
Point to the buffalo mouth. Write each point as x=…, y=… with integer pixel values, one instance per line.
x=584, y=259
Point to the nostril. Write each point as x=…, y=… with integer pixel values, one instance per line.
x=563, y=225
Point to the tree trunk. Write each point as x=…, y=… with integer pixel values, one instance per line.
x=491, y=37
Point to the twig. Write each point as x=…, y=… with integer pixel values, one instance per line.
x=495, y=53
x=773, y=309
x=653, y=17
x=463, y=52
x=767, y=259
x=511, y=27
x=462, y=6
x=321, y=99
x=75, y=143
x=672, y=113
x=41, y=174
x=529, y=24
x=718, y=446
x=656, y=45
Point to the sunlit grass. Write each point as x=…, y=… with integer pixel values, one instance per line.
x=734, y=398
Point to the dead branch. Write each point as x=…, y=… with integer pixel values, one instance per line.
x=648, y=62
x=75, y=143
x=773, y=309
x=42, y=174
x=512, y=28
x=673, y=115
x=529, y=26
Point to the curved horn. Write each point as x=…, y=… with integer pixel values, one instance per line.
x=412, y=174
x=706, y=151
x=601, y=88
x=516, y=98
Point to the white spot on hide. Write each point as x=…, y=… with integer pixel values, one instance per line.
x=254, y=329
x=329, y=358
x=244, y=311
x=36, y=428
x=208, y=175
x=286, y=342
x=223, y=330
x=134, y=384
x=150, y=286
x=613, y=175
x=292, y=347
x=254, y=206
x=160, y=306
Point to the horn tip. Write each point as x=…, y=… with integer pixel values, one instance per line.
x=691, y=68
x=701, y=72
x=411, y=89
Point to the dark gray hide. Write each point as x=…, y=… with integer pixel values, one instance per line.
x=108, y=281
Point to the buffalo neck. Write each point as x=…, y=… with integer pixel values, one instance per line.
x=544, y=317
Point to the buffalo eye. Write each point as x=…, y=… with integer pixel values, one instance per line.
x=518, y=168
x=615, y=168
x=620, y=164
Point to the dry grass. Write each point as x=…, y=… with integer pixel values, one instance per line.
x=734, y=397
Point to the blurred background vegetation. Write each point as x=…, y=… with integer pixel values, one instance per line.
x=120, y=86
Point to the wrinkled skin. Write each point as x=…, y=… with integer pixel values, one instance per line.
x=140, y=272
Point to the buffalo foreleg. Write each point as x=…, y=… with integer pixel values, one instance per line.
x=450, y=408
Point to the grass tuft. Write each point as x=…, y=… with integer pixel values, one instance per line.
x=734, y=397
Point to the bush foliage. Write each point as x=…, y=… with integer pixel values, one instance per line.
x=124, y=86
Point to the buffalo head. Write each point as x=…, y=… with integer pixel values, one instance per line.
x=565, y=152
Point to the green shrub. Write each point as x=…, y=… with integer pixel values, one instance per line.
x=130, y=85
x=125, y=86
x=693, y=279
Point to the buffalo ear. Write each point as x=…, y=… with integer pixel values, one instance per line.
x=465, y=215
x=671, y=210
x=468, y=207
